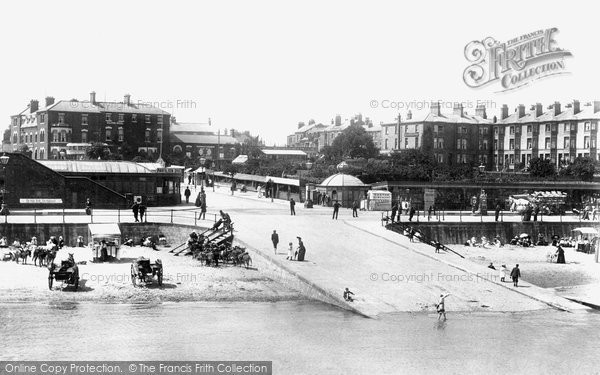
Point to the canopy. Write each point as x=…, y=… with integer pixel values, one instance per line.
x=98, y=230
x=586, y=230
x=200, y=170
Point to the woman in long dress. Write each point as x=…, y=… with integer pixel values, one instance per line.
x=560, y=255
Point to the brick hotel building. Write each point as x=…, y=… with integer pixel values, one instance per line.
x=506, y=143
x=63, y=129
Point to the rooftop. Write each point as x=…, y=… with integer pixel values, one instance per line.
x=284, y=152
x=202, y=139
x=94, y=166
x=342, y=180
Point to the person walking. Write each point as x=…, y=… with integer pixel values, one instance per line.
x=560, y=255
x=515, y=274
x=394, y=210
x=142, y=212
x=292, y=207
x=88, y=206
x=275, y=240
x=497, y=212
x=187, y=194
x=441, y=306
x=411, y=213
x=336, y=209
x=355, y=209
x=135, y=208
x=438, y=246
x=429, y=211
x=202, y=210
x=536, y=211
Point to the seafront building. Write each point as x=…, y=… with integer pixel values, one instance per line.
x=507, y=142
x=63, y=129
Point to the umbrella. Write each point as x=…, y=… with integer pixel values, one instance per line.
x=524, y=235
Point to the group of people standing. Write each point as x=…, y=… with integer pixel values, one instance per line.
x=139, y=209
x=298, y=255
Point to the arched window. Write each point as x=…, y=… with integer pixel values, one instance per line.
x=42, y=134
x=177, y=148
x=41, y=153
x=35, y=154
x=35, y=137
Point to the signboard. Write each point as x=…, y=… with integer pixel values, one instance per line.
x=379, y=200
x=40, y=200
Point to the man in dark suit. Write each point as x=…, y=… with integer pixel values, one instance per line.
x=515, y=274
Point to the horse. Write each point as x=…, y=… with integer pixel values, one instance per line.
x=39, y=254
x=22, y=254
x=245, y=259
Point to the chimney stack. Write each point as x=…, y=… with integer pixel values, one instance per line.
x=480, y=111
x=399, y=119
x=338, y=120
x=503, y=112
x=538, y=109
x=300, y=124
x=556, y=108
x=232, y=132
x=127, y=99
x=33, y=105
x=458, y=109
x=49, y=101
x=596, y=106
x=576, y=107
x=93, y=97
x=409, y=115
x=521, y=110
x=435, y=108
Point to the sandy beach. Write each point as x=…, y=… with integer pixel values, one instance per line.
x=579, y=269
x=184, y=280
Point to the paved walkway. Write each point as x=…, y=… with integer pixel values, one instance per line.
x=385, y=270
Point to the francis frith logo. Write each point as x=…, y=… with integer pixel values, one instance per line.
x=515, y=63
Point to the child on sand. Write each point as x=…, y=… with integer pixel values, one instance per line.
x=290, y=255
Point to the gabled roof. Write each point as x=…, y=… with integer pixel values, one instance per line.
x=191, y=127
x=94, y=166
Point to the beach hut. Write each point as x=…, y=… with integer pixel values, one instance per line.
x=110, y=234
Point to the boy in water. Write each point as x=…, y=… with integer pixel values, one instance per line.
x=441, y=308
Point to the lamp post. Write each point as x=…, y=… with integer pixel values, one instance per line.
x=4, y=161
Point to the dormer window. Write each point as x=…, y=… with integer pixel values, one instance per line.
x=147, y=119
x=134, y=117
x=61, y=118
x=121, y=116
x=84, y=119
x=109, y=117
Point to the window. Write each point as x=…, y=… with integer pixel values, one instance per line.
x=386, y=131
x=54, y=136
x=438, y=143
x=485, y=144
x=386, y=142
x=63, y=136
x=529, y=129
x=61, y=118
x=554, y=127
x=439, y=128
x=109, y=117
x=121, y=117
x=42, y=117
x=567, y=143
x=495, y=144
x=586, y=126
x=159, y=120
x=586, y=142
x=547, y=128
x=108, y=131
x=405, y=142
x=573, y=127
x=147, y=135
x=42, y=135
x=547, y=143
x=121, y=134
x=593, y=143
x=134, y=117
x=566, y=128
x=512, y=130
x=495, y=130
x=147, y=119
x=26, y=138
x=396, y=143
x=511, y=144
x=84, y=137
x=35, y=137
x=84, y=119
x=529, y=143
x=159, y=135
x=464, y=130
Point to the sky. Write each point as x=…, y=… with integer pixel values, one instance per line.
x=263, y=66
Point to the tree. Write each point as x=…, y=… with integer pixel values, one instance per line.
x=353, y=142
x=23, y=149
x=541, y=168
x=582, y=168
x=98, y=150
x=6, y=138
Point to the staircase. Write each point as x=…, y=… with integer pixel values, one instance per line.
x=400, y=227
x=223, y=235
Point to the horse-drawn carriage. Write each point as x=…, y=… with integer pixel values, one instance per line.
x=68, y=273
x=142, y=271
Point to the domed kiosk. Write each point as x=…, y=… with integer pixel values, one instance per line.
x=344, y=188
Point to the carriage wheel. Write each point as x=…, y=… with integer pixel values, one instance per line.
x=160, y=278
x=50, y=281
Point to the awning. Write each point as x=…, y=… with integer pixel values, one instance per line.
x=187, y=170
x=240, y=159
x=283, y=181
x=586, y=230
x=200, y=170
x=104, y=229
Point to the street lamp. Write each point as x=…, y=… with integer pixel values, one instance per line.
x=4, y=161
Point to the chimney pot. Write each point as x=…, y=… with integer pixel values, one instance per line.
x=556, y=108
x=538, y=109
x=480, y=111
x=127, y=99
x=576, y=107
x=521, y=110
x=503, y=112
x=435, y=108
x=596, y=106
x=409, y=115
x=49, y=101
x=458, y=109
x=93, y=97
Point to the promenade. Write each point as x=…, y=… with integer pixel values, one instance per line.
x=387, y=272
